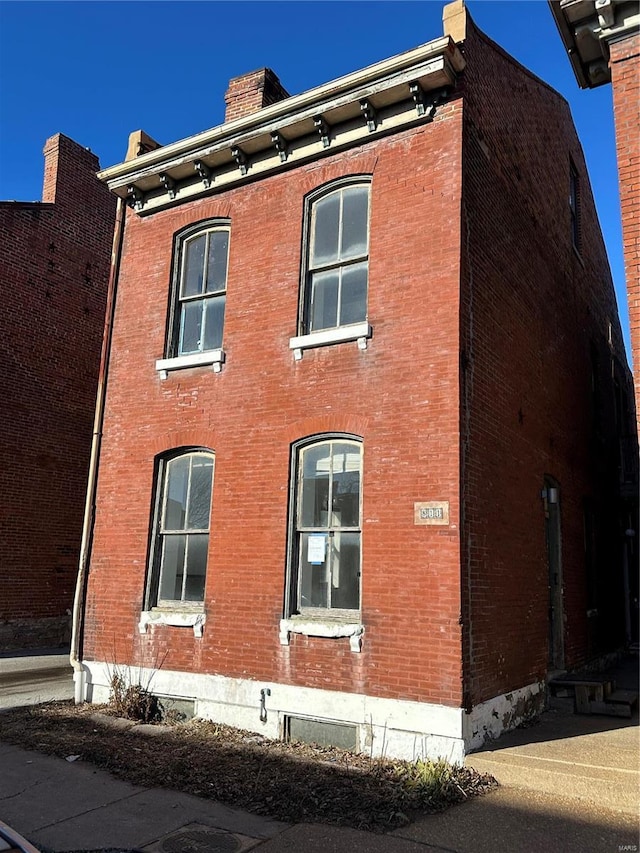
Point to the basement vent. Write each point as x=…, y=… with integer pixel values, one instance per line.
x=322, y=732
x=180, y=709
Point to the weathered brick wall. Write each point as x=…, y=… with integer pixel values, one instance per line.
x=490, y=334
x=533, y=312
x=625, y=79
x=54, y=271
x=400, y=395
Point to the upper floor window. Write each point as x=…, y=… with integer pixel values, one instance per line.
x=202, y=291
x=181, y=541
x=327, y=524
x=337, y=263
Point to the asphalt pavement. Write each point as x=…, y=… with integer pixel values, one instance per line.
x=29, y=679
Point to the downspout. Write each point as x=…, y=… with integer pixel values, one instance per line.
x=77, y=623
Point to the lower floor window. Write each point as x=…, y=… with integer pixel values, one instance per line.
x=181, y=545
x=325, y=558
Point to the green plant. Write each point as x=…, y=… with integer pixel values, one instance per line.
x=426, y=782
x=427, y=775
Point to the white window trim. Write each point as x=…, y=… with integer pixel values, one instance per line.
x=214, y=357
x=359, y=332
x=322, y=628
x=177, y=618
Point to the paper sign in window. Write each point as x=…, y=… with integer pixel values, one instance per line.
x=316, y=549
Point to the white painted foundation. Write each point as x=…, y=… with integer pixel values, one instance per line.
x=492, y=718
x=390, y=728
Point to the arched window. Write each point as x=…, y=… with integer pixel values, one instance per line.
x=181, y=542
x=337, y=256
x=200, y=289
x=326, y=527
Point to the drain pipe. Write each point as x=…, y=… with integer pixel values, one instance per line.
x=77, y=623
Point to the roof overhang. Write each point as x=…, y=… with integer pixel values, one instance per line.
x=385, y=97
x=587, y=27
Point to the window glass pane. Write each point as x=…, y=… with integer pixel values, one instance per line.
x=217, y=261
x=353, y=295
x=345, y=509
x=191, y=326
x=326, y=224
x=171, y=573
x=314, y=583
x=324, y=300
x=200, y=493
x=193, y=272
x=316, y=468
x=345, y=571
x=355, y=213
x=197, y=547
x=214, y=322
x=177, y=481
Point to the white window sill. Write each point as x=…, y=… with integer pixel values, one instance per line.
x=177, y=618
x=214, y=357
x=322, y=628
x=359, y=332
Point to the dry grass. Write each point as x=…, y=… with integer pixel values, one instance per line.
x=291, y=782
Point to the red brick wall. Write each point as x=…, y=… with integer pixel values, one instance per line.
x=532, y=311
x=479, y=372
x=400, y=395
x=55, y=264
x=625, y=78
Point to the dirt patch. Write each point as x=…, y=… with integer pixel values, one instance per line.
x=292, y=782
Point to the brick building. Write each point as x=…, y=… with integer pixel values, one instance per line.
x=602, y=38
x=361, y=409
x=55, y=258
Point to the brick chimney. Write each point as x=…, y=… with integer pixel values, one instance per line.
x=251, y=92
x=64, y=161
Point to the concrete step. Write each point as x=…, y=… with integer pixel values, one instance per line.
x=591, y=695
x=620, y=703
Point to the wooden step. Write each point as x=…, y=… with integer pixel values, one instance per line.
x=583, y=689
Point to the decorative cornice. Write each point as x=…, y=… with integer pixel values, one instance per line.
x=389, y=96
x=587, y=28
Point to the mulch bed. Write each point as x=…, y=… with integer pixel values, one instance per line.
x=291, y=782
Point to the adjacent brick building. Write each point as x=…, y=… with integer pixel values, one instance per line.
x=361, y=409
x=54, y=267
x=602, y=38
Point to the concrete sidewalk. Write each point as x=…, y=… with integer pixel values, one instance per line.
x=595, y=759
x=70, y=806
x=568, y=783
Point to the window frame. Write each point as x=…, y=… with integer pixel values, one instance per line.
x=157, y=535
x=292, y=604
x=575, y=207
x=173, y=358
x=331, y=334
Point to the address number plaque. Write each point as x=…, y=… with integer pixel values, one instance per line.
x=431, y=512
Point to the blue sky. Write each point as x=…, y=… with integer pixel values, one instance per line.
x=98, y=70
